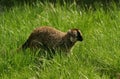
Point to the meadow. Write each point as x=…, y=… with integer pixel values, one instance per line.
x=96, y=57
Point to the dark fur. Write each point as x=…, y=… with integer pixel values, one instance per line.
x=49, y=38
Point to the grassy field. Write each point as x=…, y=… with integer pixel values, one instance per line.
x=97, y=57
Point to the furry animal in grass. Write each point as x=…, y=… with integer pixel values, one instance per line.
x=51, y=39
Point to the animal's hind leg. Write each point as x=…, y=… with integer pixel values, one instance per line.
x=36, y=45
x=50, y=52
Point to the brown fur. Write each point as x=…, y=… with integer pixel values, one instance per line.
x=50, y=38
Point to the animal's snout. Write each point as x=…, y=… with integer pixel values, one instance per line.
x=80, y=38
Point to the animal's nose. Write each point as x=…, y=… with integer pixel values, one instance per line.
x=80, y=38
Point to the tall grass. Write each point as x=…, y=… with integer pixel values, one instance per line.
x=97, y=57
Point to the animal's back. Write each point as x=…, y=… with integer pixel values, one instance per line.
x=45, y=36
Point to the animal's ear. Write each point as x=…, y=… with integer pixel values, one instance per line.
x=73, y=32
x=69, y=31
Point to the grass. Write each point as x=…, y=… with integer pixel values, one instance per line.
x=97, y=57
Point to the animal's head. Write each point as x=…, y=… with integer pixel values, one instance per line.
x=75, y=35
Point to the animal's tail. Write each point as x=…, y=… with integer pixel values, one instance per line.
x=24, y=46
